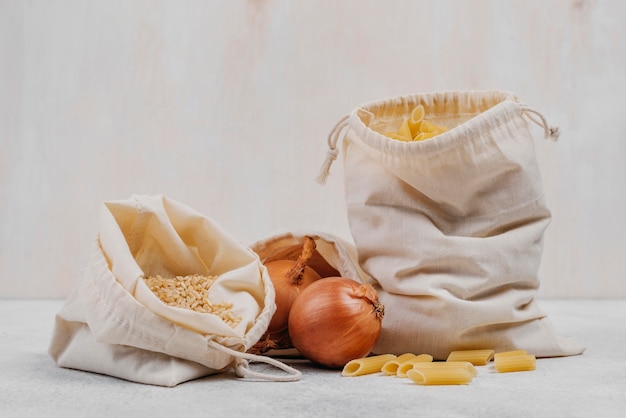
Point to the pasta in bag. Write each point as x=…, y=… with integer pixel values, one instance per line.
x=451, y=227
x=168, y=296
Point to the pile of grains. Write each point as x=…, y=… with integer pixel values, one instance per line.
x=191, y=292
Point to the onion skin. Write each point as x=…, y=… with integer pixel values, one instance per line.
x=317, y=261
x=287, y=290
x=335, y=320
x=289, y=278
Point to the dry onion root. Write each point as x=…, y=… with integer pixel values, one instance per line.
x=290, y=278
x=336, y=320
x=317, y=261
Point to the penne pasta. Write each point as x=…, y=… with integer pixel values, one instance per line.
x=416, y=127
x=425, y=135
x=415, y=120
x=408, y=365
x=476, y=357
x=404, y=368
x=366, y=365
x=391, y=367
x=509, y=353
x=514, y=362
x=428, y=126
x=405, y=130
x=469, y=367
x=440, y=376
x=396, y=136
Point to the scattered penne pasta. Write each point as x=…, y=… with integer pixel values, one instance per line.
x=458, y=369
x=391, y=367
x=476, y=357
x=408, y=365
x=440, y=376
x=469, y=367
x=366, y=365
x=514, y=361
x=509, y=353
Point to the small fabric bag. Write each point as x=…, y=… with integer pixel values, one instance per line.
x=450, y=227
x=333, y=256
x=114, y=324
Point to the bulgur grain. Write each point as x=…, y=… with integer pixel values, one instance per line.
x=191, y=292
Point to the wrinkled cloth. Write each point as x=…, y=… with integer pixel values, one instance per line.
x=114, y=324
x=451, y=228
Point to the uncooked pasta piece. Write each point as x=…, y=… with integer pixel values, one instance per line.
x=405, y=130
x=469, y=367
x=366, y=365
x=514, y=362
x=424, y=135
x=416, y=127
x=440, y=376
x=428, y=126
x=391, y=367
x=509, y=353
x=408, y=364
x=476, y=357
x=415, y=120
x=396, y=136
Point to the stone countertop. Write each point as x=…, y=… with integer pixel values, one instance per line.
x=591, y=384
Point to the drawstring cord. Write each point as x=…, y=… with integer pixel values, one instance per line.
x=333, y=152
x=551, y=132
x=242, y=368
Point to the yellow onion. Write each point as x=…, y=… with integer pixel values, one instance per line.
x=290, y=278
x=317, y=261
x=335, y=320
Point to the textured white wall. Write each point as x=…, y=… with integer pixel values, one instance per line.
x=225, y=106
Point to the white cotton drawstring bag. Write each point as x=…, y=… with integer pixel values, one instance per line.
x=114, y=324
x=450, y=227
x=333, y=255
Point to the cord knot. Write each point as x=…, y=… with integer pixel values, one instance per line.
x=332, y=153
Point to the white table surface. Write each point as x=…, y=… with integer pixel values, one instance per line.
x=590, y=385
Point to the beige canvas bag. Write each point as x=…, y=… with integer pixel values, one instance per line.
x=450, y=227
x=333, y=256
x=114, y=324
